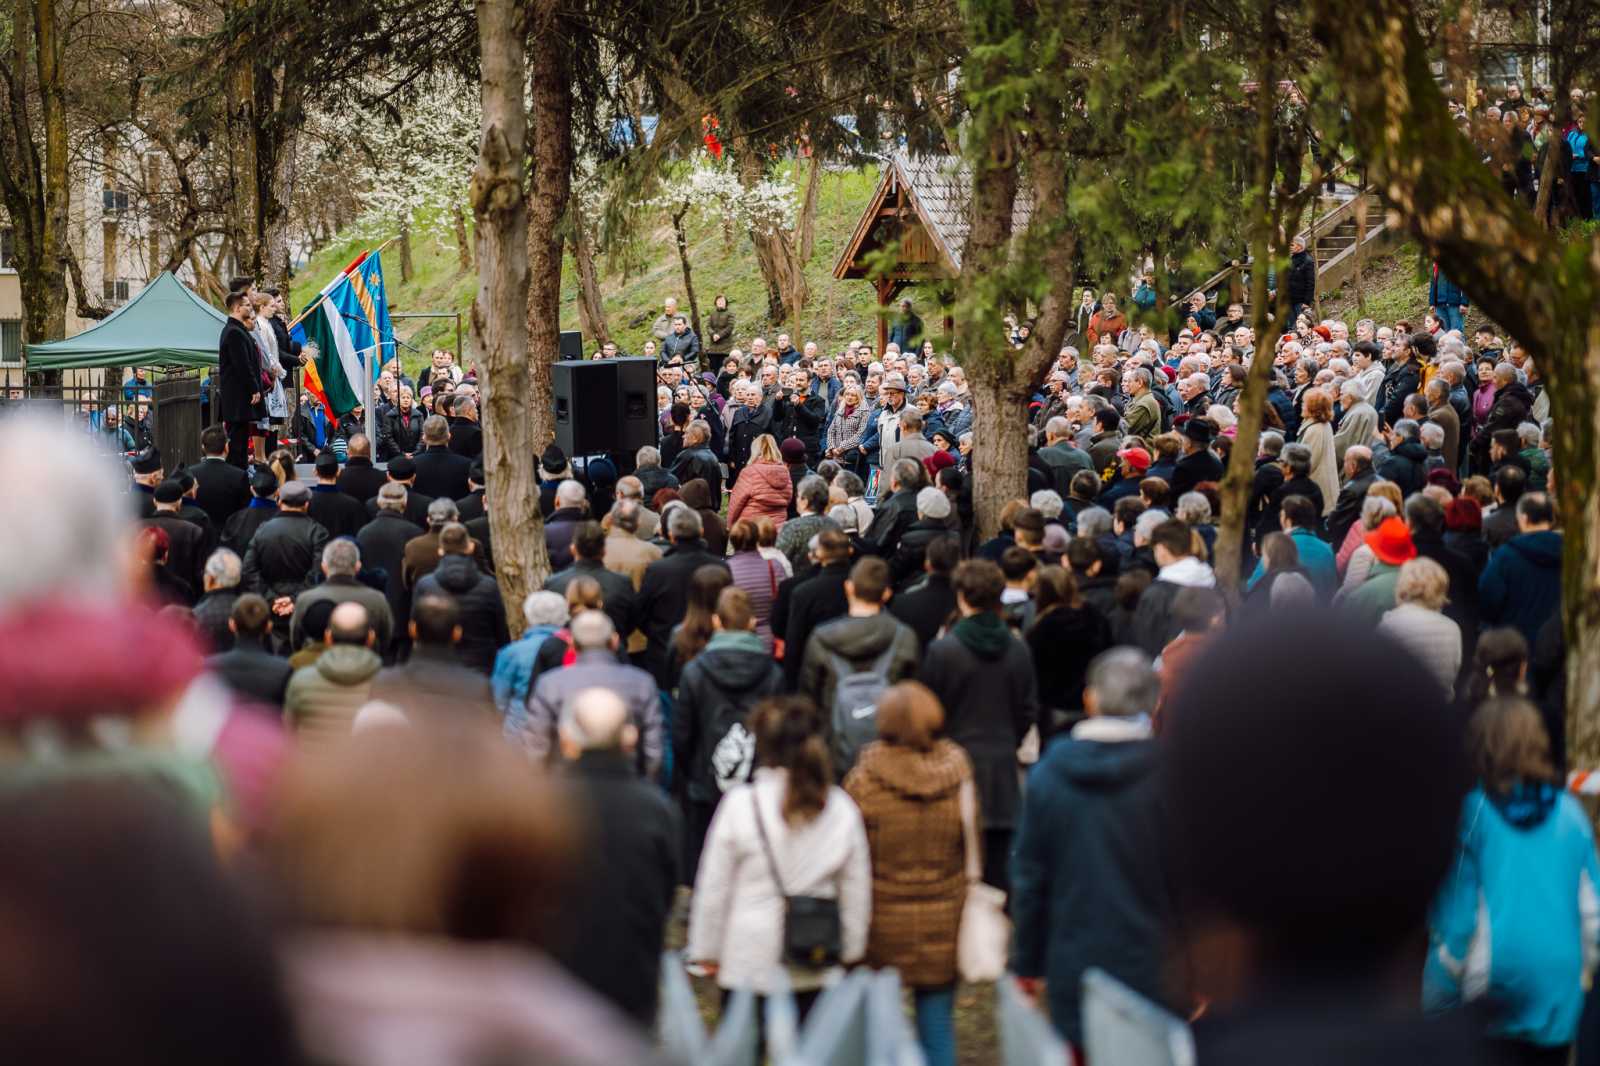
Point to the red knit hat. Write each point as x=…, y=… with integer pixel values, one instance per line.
x=1391, y=542
x=938, y=461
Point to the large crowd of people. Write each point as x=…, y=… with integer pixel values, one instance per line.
x=776, y=667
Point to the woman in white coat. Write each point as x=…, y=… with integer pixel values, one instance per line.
x=267, y=341
x=818, y=845
x=1316, y=433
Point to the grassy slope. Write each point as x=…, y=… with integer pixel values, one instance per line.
x=838, y=310
x=1395, y=285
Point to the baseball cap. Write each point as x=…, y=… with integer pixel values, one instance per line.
x=1137, y=458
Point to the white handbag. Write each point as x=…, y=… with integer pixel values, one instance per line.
x=984, y=937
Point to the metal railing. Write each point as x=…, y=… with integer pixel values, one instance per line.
x=167, y=412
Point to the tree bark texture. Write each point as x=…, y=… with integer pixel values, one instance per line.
x=406, y=266
x=591, y=304
x=33, y=176
x=499, y=319
x=1543, y=291
x=463, y=244
x=681, y=238
x=549, y=197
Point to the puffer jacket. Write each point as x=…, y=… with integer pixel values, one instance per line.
x=762, y=491
x=323, y=698
x=477, y=596
x=911, y=802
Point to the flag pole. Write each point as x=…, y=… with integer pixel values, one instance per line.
x=321, y=296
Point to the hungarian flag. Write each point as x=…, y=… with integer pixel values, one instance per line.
x=352, y=334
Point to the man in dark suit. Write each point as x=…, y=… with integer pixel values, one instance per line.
x=441, y=473
x=816, y=599
x=927, y=605
x=341, y=514
x=664, y=592
x=466, y=436
x=222, y=487
x=250, y=669
x=403, y=472
x=383, y=547
x=360, y=478
x=470, y=506
x=238, y=377
x=240, y=528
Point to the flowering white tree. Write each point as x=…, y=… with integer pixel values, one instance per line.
x=414, y=173
x=711, y=190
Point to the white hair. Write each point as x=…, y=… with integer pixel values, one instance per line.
x=544, y=608
x=66, y=507
x=224, y=568
x=1194, y=508
x=1047, y=502
x=1147, y=523
x=570, y=493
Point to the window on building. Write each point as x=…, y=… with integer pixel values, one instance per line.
x=115, y=291
x=10, y=342
x=114, y=201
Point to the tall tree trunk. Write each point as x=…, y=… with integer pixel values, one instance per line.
x=1521, y=275
x=549, y=198
x=591, y=304
x=682, y=240
x=243, y=191
x=406, y=266
x=463, y=245
x=1265, y=228
x=781, y=267
x=499, y=320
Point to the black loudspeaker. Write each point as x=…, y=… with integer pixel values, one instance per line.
x=605, y=405
x=571, y=344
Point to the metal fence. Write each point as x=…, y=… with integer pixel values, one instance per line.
x=168, y=412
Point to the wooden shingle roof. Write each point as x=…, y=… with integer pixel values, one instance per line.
x=938, y=190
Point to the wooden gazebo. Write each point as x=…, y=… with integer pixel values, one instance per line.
x=920, y=210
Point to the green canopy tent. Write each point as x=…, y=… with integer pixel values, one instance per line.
x=165, y=325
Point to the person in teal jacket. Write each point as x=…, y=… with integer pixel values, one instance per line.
x=1516, y=923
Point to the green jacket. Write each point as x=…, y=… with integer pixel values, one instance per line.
x=719, y=332
x=1143, y=416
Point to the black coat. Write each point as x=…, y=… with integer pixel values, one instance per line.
x=441, y=472
x=989, y=705
x=613, y=926
x=470, y=506
x=211, y=615
x=1405, y=466
x=477, y=595
x=238, y=376
x=220, y=488
x=361, y=479
x=254, y=673
x=817, y=599
x=1302, y=279
x=559, y=530
x=466, y=439
x=186, y=546
x=621, y=602
x=925, y=607
x=801, y=416
x=1062, y=642
x=1399, y=381
x=895, y=514
x=699, y=463
x=342, y=515
x=416, y=508
x=1192, y=469
x=905, y=565
x=288, y=348
x=1347, y=508
x=383, y=546
x=285, y=556
x=663, y=599
x=240, y=528
x=398, y=434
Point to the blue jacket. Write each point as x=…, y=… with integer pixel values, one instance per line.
x=1516, y=921
x=1521, y=586
x=1088, y=876
x=1318, y=560
x=512, y=677
x=1442, y=292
